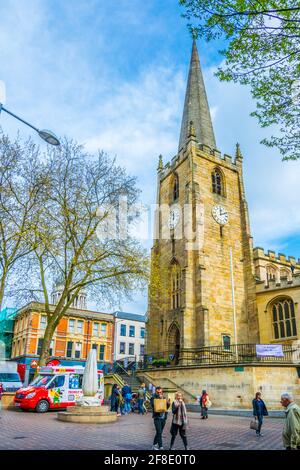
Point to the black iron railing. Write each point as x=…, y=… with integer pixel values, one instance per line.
x=218, y=355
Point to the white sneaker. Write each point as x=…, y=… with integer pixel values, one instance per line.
x=161, y=448
x=154, y=447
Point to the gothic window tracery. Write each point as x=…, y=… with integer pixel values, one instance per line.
x=283, y=319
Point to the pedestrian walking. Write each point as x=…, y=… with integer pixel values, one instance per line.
x=179, y=421
x=205, y=403
x=160, y=406
x=291, y=429
x=141, y=396
x=259, y=411
x=1, y=393
x=115, y=399
x=127, y=397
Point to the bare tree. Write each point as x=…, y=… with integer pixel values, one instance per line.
x=66, y=240
x=21, y=182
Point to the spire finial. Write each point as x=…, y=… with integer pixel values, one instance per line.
x=160, y=165
x=238, y=152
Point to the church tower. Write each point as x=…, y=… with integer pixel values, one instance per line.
x=202, y=288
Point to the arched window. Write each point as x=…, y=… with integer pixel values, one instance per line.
x=271, y=273
x=175, y=187
x=283, y=318
x=175, y=285
x=285, y=274
x=173, y=341
x=217, y=184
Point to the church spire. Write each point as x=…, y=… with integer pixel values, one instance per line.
x=196, y=107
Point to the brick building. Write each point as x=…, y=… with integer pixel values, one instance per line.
x=77, y=332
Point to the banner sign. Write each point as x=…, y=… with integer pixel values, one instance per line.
x=274, y=350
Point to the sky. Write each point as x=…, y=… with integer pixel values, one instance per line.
x=112, y=75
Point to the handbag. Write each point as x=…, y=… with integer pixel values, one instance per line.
x=160, y=405
x=254, y=424
x=208, y=404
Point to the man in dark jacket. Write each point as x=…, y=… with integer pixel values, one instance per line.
x=159, y=419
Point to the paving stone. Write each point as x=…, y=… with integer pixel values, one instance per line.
x=133, y=432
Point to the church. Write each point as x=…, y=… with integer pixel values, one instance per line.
x=209, y=288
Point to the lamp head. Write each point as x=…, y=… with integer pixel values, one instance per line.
x=49, y=137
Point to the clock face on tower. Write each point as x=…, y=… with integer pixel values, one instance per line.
x=174, y=217
x=220, y=215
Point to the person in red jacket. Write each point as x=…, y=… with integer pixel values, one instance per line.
x=204, y=399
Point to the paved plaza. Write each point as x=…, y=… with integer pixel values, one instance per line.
x=27, y=430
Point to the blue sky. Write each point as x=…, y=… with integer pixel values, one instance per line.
x=112, y=74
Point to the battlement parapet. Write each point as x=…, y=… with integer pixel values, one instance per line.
x=270, y=256
x=272, y=284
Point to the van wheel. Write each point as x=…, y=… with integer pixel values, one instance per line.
x=42, y=406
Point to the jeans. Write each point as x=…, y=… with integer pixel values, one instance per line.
x=140, y=405
x=182, y=432
x=127, y=406
x=114, y=406
x=159, y=424
x=203, y=411
x=260, y=422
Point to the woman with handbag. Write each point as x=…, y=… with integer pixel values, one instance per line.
x=259, y=411
x=205, y=403
x=179, y=421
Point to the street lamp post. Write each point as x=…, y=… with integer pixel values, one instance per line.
x=46, y=135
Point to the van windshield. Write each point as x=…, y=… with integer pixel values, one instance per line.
x=9, y=377
x=41, y=380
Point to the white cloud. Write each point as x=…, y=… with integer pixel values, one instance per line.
x=54, y=82
x=141, y=119
x=272, y=186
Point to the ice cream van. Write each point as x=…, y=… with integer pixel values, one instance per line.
x=55, y=388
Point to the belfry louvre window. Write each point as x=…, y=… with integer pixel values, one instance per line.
x=217, y=182
x=175, y=286
x=283, y=317
x=176, y=188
